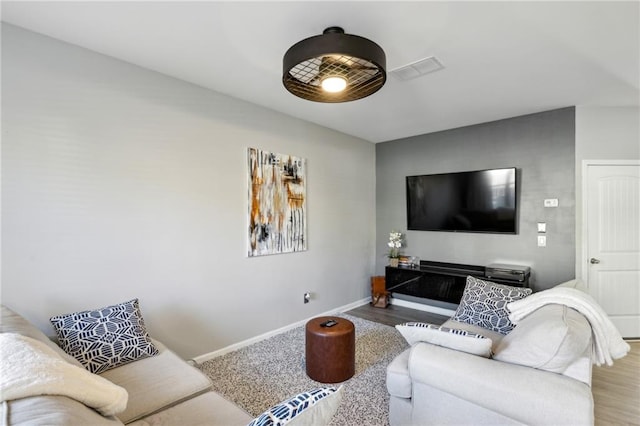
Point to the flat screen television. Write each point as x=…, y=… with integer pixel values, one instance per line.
x=474, y=201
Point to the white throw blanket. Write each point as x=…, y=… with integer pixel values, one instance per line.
x=29, y=367
x=607, y=341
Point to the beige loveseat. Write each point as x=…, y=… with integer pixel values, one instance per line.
x=537, y=374
x=162, y=390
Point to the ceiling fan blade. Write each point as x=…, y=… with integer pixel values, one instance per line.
x=357, y=67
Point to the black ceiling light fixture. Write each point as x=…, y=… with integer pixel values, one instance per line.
x=334, y=67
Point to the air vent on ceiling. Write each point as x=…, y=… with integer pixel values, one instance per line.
x=418, y=68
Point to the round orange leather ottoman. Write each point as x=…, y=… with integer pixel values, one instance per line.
x=330, y=352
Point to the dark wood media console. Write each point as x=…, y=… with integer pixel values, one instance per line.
x=438, y=281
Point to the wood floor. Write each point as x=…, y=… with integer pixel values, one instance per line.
x=616, y=389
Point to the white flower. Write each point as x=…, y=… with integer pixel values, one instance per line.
x=395, y=243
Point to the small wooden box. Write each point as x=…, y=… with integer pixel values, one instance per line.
x=380, y=297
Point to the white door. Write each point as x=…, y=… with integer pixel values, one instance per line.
x=613, y=242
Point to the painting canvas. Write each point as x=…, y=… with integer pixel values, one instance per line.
x=277, y=203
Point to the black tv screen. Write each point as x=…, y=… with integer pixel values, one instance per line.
x=476, y=201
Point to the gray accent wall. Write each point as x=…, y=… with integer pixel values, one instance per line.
x=542, y=148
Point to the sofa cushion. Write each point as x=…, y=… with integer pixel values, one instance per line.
x=484, y=303
x=105, y=338
x=51, y=410
x=311, y=408
x=14, y=323
x=398, y=378
x=209, y=409
x=156, y=383
x=453, y=338
x=551, y=338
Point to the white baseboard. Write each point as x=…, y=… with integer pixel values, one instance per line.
x=423, y=307
x=205, y=357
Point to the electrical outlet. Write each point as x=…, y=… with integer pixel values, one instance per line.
x=307, y=297
x=542, y=227
x=542, y=241
x=551, y=202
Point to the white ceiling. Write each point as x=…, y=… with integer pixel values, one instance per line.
x=502, y=59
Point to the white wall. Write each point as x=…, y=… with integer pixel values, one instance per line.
x=611, y=133
x=118, y=182
x=602, y=133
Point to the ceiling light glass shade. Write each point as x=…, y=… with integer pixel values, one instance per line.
x=359, y=62
x=334, y=84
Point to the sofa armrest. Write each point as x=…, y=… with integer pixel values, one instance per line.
x=524, y=394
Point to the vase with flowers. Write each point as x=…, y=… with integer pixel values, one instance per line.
x=395, y=244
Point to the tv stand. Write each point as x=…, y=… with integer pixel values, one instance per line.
x=440, y=281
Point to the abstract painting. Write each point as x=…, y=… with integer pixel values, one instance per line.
x=277, y=203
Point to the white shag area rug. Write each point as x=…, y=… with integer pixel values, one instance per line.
x=265, y=373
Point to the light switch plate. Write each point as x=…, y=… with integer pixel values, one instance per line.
x=542, y=241
x=542, y=227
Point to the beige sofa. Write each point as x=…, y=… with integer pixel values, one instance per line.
x=538, y=374
x=162, y=390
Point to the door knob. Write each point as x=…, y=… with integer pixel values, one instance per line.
x=594, y=261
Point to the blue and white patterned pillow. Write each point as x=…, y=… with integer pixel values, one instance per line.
x=316, y=406
x=452, y=338
x=484, y=304
x=105, y=338
x=444, y=329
